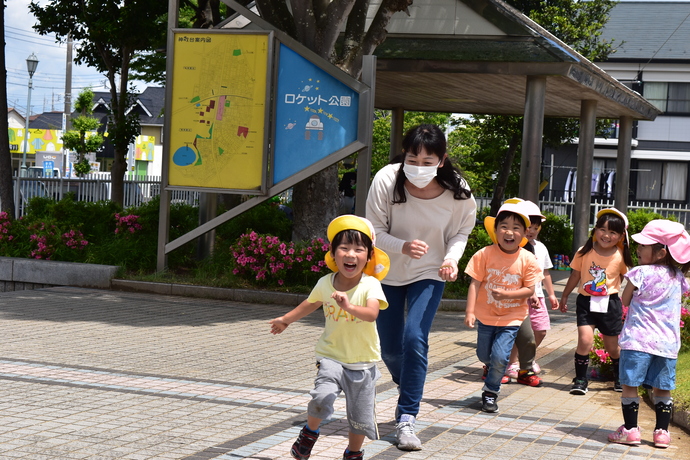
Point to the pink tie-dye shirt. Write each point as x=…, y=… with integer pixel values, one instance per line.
x=653, y=322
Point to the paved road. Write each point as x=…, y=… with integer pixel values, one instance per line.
x=100, y=374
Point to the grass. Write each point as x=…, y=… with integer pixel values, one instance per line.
x=681, y=395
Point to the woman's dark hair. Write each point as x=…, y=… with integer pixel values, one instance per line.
x=616, y=224
x=351, y=236
x=668, y=260
x=431, y=138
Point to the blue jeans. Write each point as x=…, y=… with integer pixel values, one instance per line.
x=494, y=344
x=405, y=338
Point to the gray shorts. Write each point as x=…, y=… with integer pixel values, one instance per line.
x=360, y=395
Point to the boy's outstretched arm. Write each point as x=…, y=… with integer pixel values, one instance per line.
x=281, y=323
x=472, y=293
x=572, y=283
x=368, y=312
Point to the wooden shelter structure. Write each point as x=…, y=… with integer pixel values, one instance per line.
x=483, y=56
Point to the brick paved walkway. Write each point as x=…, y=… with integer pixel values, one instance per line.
x=98, y=374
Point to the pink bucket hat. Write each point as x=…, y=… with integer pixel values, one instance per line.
x=671, y=234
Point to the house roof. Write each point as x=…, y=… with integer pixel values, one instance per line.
x=46, y=120
x=666, y=30
x=149, y=105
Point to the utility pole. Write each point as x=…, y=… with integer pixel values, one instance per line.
x=67, y=112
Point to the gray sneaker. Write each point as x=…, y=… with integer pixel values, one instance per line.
x=404, y=434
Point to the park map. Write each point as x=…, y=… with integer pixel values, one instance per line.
x=218, y=110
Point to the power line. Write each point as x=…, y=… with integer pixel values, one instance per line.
x=22, y=33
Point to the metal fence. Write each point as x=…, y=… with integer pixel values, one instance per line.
x=565, y=208
x=141, y=189
x=96, y=187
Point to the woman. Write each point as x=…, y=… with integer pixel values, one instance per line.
x=422, y=211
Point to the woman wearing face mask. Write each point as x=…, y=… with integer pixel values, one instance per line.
x=422, y=211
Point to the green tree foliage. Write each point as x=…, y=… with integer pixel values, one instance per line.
x=83, y=139
x=497, y=139
x=110, y=34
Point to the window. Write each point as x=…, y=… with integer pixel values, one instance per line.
x=669, y=97
x=661, y=180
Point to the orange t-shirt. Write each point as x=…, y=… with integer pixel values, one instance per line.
x=599, y=275
x=495, y=269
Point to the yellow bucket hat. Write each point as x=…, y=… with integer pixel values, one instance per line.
x=515, y=205
x=379, y=264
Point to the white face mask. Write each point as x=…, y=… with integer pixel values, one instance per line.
x=420, y=176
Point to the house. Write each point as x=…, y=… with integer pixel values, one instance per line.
x=45, y=129
x=146, y=153
x=15, y=119
x=652, y=57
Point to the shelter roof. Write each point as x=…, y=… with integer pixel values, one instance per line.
x=474, y=56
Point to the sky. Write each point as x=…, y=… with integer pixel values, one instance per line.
x=49, y=80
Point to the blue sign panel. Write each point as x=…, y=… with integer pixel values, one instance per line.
x=316, y=115
x=48, y=168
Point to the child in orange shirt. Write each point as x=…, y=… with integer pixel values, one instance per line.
x=503, y=279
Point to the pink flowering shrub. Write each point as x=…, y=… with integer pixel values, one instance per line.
x=74, y=239
x=265, y=260
x=5, y=228
x=599, y=358
x=685, y=323
x=127, y=225
x=47, y=242
x=44, y=239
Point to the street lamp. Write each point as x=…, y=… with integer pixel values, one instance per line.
x=31, y=64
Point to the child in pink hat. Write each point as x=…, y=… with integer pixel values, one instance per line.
x=650, y=338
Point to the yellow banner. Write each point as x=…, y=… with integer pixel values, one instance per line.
x=144, y=148
x=40, y=140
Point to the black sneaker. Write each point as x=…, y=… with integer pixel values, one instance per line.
x=358, y=455
x=301, y=449
x=617, y=385
x=579, y=387
x=489, y=402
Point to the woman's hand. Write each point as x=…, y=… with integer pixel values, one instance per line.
x=448, y=270
x=415, y=249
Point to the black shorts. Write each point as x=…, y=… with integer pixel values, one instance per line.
x=609, y=323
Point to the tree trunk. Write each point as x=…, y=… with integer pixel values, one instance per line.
x=315, y=203
x=6, y=185
x=117, y=176
x=502, y=180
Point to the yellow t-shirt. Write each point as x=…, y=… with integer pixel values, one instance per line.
x=345, y=338
x=599, y=275
x=495, y=269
